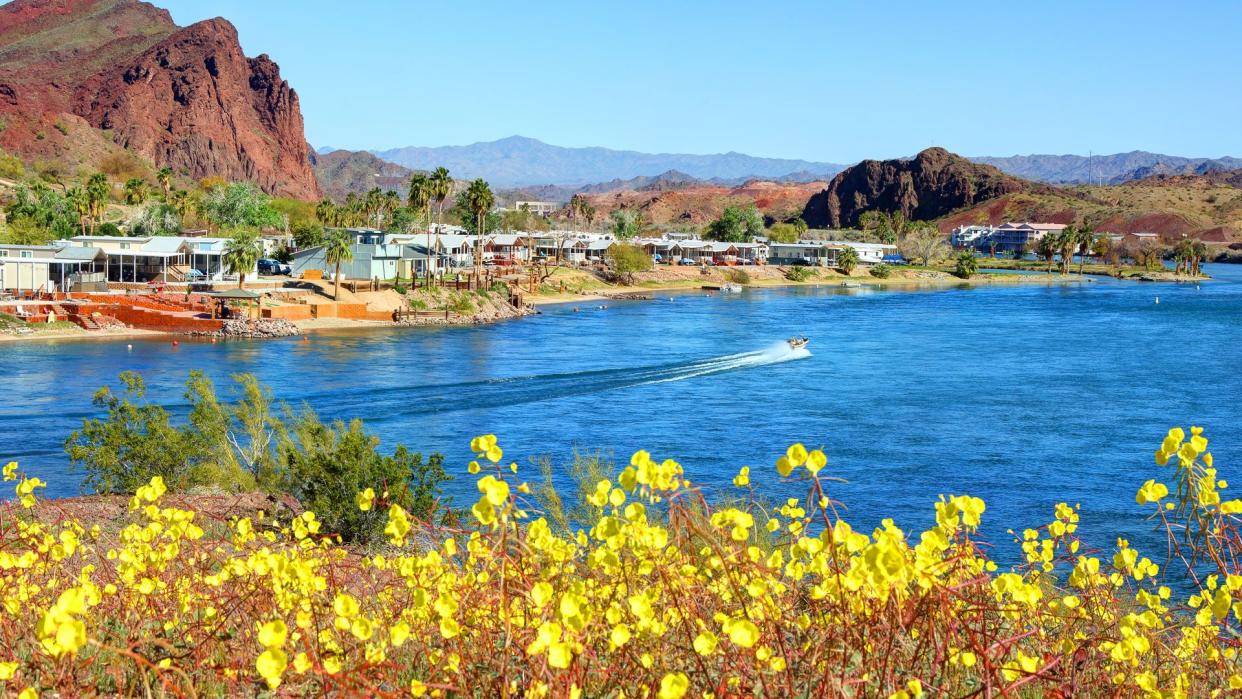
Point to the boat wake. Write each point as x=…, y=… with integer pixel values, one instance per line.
x=501, y=392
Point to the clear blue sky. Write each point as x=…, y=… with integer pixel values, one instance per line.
x=821, y=80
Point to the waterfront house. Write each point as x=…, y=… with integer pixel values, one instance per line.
x=370, y=261
x=973, y=236
x=507, y=246
x=597, y=250
x=49, y=267
x=810, y=252
x=1012, y=237
x=156, y=258
x=868, y=253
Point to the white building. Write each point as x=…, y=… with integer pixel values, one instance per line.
x=974, y=236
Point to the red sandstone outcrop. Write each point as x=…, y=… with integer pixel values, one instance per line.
x=186, y=98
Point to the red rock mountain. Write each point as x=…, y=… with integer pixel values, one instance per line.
x=78, y=78
x=928, y=186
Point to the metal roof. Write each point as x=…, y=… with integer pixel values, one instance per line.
x=78, y=254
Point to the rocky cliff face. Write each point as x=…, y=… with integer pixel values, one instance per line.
x=932, y=184
x=185, y=98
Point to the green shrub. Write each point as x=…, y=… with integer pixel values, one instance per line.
x=737, y=276
x=967, y=266
x=400, y=288
x=461, y=305
x=326, y=466
x=799, y=274
x=108, y=228
x=60, y=126
x=251, y=442
x=418, y=304
x=881, y=271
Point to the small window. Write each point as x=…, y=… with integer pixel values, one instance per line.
x=27, y=253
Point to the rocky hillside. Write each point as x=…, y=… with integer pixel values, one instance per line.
x=1117, y=168
x=80, y=79
x=340, y=172
x=932, y=184
x=1208, y=207
x=517, y=161
x=700, y=203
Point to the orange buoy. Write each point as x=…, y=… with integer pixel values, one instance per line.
x=175, y=343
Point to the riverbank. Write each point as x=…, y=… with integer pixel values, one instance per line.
x=569, y=285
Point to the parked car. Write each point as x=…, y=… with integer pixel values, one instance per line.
x=686, y=262
x=274, y=267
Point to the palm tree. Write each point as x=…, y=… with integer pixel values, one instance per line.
x=1067, y=241
x=847, y=260
x=164, y=178
x=441, y=187
x=1046, y=248
x=337, y=249
x=967, y=265
x=1085, y=238
x=241, y=253
x=324, y=211
x=1198, y=251
x=76, y=197
x=97, y=190
x=135, y=190
x=577, y=206
x=481, y=200
x=181, y=202
x=420, y=200
x=589, y=212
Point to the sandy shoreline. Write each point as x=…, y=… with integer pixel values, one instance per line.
x=769, y=278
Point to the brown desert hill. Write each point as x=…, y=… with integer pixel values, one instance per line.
x=702, y=203
x=186, y=98
x=341, y=172
x=932, y=184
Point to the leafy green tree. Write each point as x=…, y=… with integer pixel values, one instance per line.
x=156, y=218
x=799, y=226
x=242, y=253
x=847, y=260
x=626, y=223
x=136, y=441
x=966, y=265
x=326, y=466
x=783, y=233
x=626, y=260
x=240, y=204
x=308, y=235
x=737, y=224
x=338, y=248
x=39, y=212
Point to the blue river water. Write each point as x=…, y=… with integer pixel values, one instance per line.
x=1024, y=395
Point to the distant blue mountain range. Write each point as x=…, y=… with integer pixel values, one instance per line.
x=518, y=161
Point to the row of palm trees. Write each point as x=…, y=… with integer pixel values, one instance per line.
x=1188, y=254
x=580, y=207
x=371, y=209
x=424, y=190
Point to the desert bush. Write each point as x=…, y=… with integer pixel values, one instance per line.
x=737, y=276
x=660, y=592
x=461, y=304
x=799, y=274
x=881, y=271
x=247, y=443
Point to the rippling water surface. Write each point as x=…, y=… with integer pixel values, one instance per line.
x=1024, y=395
